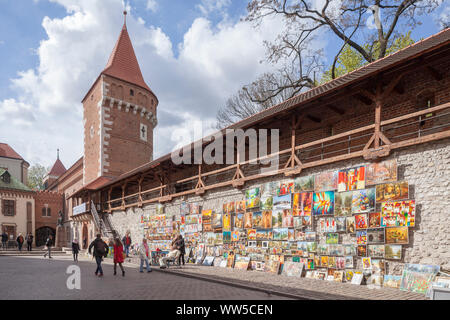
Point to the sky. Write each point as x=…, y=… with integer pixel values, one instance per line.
x=193, y=54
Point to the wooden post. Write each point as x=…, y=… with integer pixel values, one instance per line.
x=199, y=188
x=123, y=194
x=237, y=180
x=109, y=198
x=293, y=159
x=140, y=191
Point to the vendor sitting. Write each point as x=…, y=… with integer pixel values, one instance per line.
x=173, y=254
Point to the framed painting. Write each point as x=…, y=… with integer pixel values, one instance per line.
x=292, y=269
x=226, y=236
x=374, y=220
x=266, y=219
x=351, y=179
x=194, y=208
x=266, y=202
x=332, y=238
x=302, y=203
x=277, y=218
x=361, y=237
x=398, y=213
x=361, y=221
x=239, y=221
x=325, y=181
x=376, y=250
x=241, y=262
x=248, y=219
x=305, y=183
x=257, y=220
x=381, y=172
x=252, y=198
x=216, y=220
x=348, y=275
x=392, y=191
x=226, y=222
x=363, y=201
x=392, y=281
x=343, y=203
x=287, y=219
x=393, y=251
x=349, y=262
x=397, y=235
x=340, y=224
x=361, y=250
x=251, y=234
x=323, y=203
x=340, y=262
x=375, y=236
x=285, y=187
x=350, y=224
x=418, y=277
x=240, y=206
x=282, y=202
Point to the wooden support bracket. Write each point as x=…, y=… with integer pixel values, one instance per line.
x=293, y=162
x=200, y=186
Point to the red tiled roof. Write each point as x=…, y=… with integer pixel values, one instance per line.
x=8, y=152
x=122, y=63
x=97, y=183
x=58, y=169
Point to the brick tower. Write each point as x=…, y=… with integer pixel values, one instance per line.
x=119, y=115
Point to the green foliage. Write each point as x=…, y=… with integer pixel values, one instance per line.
x=350, y=59
x=36, y=175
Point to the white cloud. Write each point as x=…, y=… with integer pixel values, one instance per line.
x=152, y=5
x=208, y=6
x=213, y=63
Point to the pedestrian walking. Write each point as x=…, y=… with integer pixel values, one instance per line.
x=118, y=256
x=144, y=255
x=84, y=243
x=182, y=248
x=20, y=240
x=100, y=251
x=75, y=249
x=127, y=243
x=30, y=241
x=4, y=240
x=49, y=244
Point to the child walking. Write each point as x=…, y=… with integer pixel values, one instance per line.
x=118, y=256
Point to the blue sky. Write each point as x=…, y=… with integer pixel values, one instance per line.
x=193, y=54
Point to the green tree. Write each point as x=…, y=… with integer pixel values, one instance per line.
x=36, y=175
x=349, y=59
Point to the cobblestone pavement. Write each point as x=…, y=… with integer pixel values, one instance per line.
x=299, y=287
x=34, y=278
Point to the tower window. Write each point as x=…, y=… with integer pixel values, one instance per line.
x=131, y=92
x=143, y=132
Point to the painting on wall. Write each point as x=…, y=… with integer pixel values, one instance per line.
x=257, y=220
x=251, y=234
x=266, y=202
x=376, y=250
x=350, y=224
x=305, y=183
x=239, y=221
x=343, y=203
x=248, y=219
x=266, y=219
x=393, y=251
x=332, y=238
x=351, y=179
x=375, y=220
x=287, y=219
x=340, y=224
x=363, y=201
x=392, y=191
x=361, y=221
x=240, y=206
x=226, y=222
x=361, y=237
x=381, y=172
x=252, y=198
x=216, y=220
x=292, y=269
x=285, y=187
x=323, y=203
x=302, y=203
x=282, y=202
x=375, y=236
x=398, y=213
x=397, y=235
x=277, y=218
x=418, y=277
x=194, y=208
x=326, y=181
x=361, y=250
x=392, y=281
x=241, y=262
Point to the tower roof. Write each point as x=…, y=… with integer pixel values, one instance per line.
x=122, y=63
x=58, y=169
x=8, y=152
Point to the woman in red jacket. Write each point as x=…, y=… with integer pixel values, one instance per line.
x=118, y=255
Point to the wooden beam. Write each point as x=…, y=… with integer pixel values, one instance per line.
x=363, y=99
x=335, y=109
x=315, y=119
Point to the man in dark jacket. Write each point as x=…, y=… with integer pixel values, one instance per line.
x=182, y=247
x=29, y=241
x=49, y=244
x=127, y=243
x=100, y=251
x=4, y=240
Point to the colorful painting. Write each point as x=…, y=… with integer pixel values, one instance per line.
x=343, y=203
x=376, y=250
x=324, y=261
x=272, y=266
x=366, y=263
x=310, y=236
x=323, y=203
x=251, y=234
x=349, y=275
x=257, y=220
x=282, y=202
x=287, y=219
x=305, y=183
x=252, y=198
x=326, y=181
x=332, y=238
x=375, y=236
x=248, y=219
x=240, y=206
x=184, y=208
x=349, y=262
x=266, y=202
x=226, y=222
x=235, y=235
x=340, y=262
x=392, y=281
x=392, y=191
x=226, y=236
x=385, y=171
x=340, y=224
x=361, y=250
x=418, y=277
x=375, y=220
x=398, y=214
x=363, y=201
x=361, y=237
x=277, y=218
x=292, y=269
x=302, y=203
x=266, y=219
x=216, y=220
x=230, y=259
x=331, y=262
x=397, y=235
x=351, y=179
x=338, y=276
x=361, y=221
x=194, y=208
x=285, y=187
x=351, y=224
x=269, y=188
x=393, y=251
x=377, y=266
x=241, y=262
x=306, y=221
x=239, y=221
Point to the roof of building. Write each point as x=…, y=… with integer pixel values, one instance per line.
x=433, y=42
x=58, y=169
x=69, y=171
x=8, y=152
x=13, y=184
x=122, y=63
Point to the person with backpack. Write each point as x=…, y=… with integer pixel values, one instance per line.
x=75, y=249
x=143, y=255
x=100, y=251
x=127, y=243
x=49, y=243
x=118, y=256
x=29, y=241
x=20, y=241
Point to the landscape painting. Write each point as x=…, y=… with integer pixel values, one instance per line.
x=397, y=235
x=305, y=183
x=385, y=171
x=343, y=203
x=392, y=191
x=302, y=203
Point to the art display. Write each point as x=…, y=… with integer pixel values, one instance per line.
x=361, y=221
x=251, y=234
x=418, y=277
x=343, y=203
x=257, y=220
x=285, y=187
x=377, y=266
x=248, y=217
x=194, y=208
x=252, y=198
x=392, y=281
x=350, y=224
x=292, y=269
x=326, y=181
x=208, y=261
x=216, y=220
x=361, y=237
x=239, y=221
x=240, y=206
x=226, y=222
x=398, y=213
x=375, y=220
x=361, y=250
x=287, y=219
x=376, y=250
x=393, y=251
x=381, y=172
x=266, y=219
x=357, y=278
x=349, y=263
x=302, y=203
x=340, y=224
x=375, y=236
x=266, y=202
x=282, y=202
x=305, y=183
x=230, y=259
x=332, y=238
x=363, y=201
x=323, y=203
x=351, y=179
x=241, y=262
x=392, y=191
x=397, y=235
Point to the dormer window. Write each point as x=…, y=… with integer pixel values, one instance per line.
x=6, y=177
